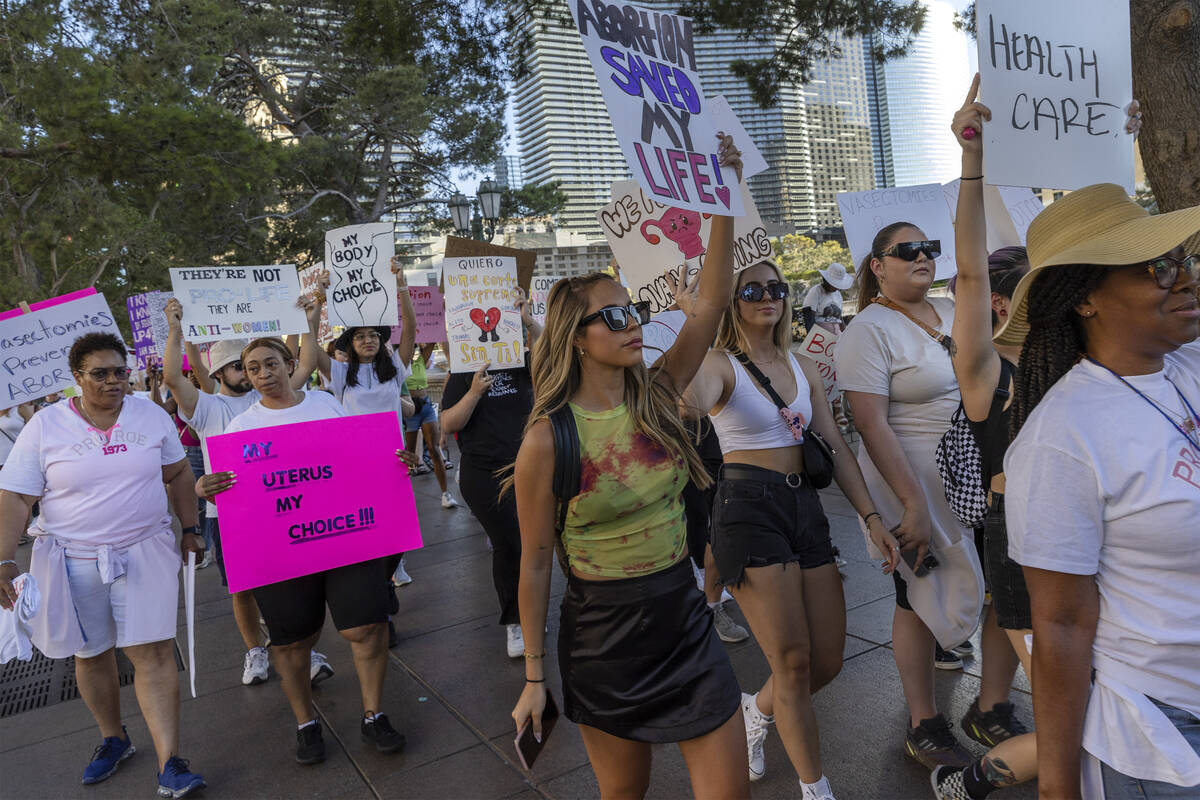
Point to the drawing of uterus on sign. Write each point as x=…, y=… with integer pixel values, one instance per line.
x=679, y=225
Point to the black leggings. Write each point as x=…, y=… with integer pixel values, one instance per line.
x=498, y=516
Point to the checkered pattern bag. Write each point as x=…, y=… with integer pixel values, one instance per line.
x=961, y=466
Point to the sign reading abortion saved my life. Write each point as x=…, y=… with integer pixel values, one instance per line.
x=362, y=287
x=482, y=323
x=313, y=496
x=864, y=213
x=238, y=302
x=34, y=346
x=645, y=62
x=1057, y=77
x=647, y=238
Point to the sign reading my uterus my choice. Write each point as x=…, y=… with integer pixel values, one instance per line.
x=482, y=323
x=362, y=287
x=645, y=63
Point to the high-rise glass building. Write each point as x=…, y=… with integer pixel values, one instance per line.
x=509, y=171
x=913, y=99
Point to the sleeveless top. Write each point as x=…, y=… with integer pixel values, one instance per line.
x=991, y=435
x=749, y=420
x=418, y=380
x=627, y=519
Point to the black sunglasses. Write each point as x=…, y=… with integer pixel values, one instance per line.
x=617, y=318
x=753, y=291
x=908, y=251
x=1165, y=269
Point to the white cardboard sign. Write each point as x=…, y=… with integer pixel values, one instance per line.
x=819, y=346
x=482, y=323
x=362, y=288
x=660, y=333
x=1008, y=211
x=238, y=302
x=728, y=123
x=647, y=238
x=310, y=284
x=646, y=65
x=864, y=213
x=1057, y=77
x=34, y=346
x=539, y=294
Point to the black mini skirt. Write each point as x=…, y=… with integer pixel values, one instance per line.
x=640, y=660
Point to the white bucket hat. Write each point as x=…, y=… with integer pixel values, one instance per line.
x=224, y=352
x=836, y=276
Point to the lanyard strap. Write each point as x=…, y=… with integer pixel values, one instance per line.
x=939, y=337
x=1195, y=419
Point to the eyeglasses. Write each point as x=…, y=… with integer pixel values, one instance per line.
x=1165, y=269
x=100, y=373
x=908, y=251
x=617, y=318
x=753, y=291
x=366, y=336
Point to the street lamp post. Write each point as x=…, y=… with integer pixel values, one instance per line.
x=481, y=226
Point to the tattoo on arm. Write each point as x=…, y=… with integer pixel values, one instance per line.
x=998, y=773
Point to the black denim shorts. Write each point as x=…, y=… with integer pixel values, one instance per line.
x=762, y=517
x=1006, y=579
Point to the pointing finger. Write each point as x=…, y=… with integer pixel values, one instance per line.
x=973, y=92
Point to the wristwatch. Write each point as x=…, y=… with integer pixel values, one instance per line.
x=193, y=530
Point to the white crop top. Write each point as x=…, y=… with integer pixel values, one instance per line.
x=750, y=421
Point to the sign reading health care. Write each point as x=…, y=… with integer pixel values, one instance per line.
x=238, y=302
x=34, y=346
x=1057, y=77
x=362, y=287
x=645, y=62
x=482, y=323
x=313, y=496
x=647, y=238
x=864, y=213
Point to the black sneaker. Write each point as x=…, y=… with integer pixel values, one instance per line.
x=310, y=747
x=946, y=659
x=379, y=731
x=990, y=728
x=964, y=650
x=932, y=744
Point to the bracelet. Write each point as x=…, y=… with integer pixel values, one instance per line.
x=7, y=561
x=867, y=518
x=535, y=680
x=976, y=178
x=532, y=656
x=191, y=530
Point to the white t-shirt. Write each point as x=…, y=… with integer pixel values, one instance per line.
x=209, y=418
x=10, y=428
x=93, y=491
x=826, y=305
x=315, y=406
x=1099, y=483
x=368, y=395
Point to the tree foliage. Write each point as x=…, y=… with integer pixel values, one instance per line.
x=532, y=200
x=800, y=257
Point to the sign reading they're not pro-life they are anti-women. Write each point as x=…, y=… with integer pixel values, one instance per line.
x=313, y=496
x=238, y=302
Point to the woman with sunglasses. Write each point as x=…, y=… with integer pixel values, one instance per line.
x=639, y=660
x=894, y=367
x=770, y=537
x=106, y=561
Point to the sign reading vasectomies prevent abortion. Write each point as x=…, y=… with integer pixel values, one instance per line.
x=238, y=302
x=1057, y=77
x=645, y=63
x=362, y=287
x=864, y=213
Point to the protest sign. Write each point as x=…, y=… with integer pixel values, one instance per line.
x=539, y=294
x=34, y=346
x=1057, y=77
x=308, y=285
x=526, y=259
x=660, y=333
x=1023, y=205
x=362, y=287
x=312, y=496
x=1008, y=210
x=818, y=346
x=864, y=213
x=142, y=329
x=238, y=302
x=645, y=63
x=38, y=305
x=728, y=123
x=431, y=315
x=482, y=324
x=648, y=238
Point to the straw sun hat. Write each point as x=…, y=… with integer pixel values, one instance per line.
x=1098, y=225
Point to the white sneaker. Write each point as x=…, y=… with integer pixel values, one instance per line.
x=319, y=668
x=817, y=791
x=207, y=561
x=448, y=500
x=400, y=577
x=757, y=725
x=516, y=642
x=256, y=667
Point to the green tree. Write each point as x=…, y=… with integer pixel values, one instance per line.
x=800, y=257
x=532, y=200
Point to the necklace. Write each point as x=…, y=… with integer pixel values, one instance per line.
x=1187, y=429
x=107, y=434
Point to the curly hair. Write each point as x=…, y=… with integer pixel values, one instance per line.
x=1056, y=339
x=90, y=343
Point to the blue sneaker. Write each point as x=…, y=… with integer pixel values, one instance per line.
x=107, y=757
x=176, y=781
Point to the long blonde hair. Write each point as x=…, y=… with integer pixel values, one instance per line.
x=731, y=337
x=650, y=400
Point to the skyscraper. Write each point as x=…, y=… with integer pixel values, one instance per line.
x=509, y=172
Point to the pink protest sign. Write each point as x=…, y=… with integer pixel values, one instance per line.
x=53, y=301
x=431, y=315
x=313, y=496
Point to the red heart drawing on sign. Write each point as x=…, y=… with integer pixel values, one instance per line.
x=478, y=317
x=723, y=194
x=487, y=321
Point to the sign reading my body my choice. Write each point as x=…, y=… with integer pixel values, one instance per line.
x=362, y=287
x=238, y=302
x=645, y=62
x=312, y=496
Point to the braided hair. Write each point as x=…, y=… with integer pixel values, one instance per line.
x=1056, y=340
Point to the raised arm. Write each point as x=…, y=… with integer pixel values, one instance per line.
x=408, y=317
x=195, y=358
x=182, y=390
x=322, y=357
x=533, y=328
x=307, y=362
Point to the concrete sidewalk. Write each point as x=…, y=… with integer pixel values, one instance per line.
x=451, y=688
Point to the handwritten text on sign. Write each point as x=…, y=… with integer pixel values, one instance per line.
x=238, y=302
x=645, y=63
x=313, y=496
x=362, y=288
x=34, y=346
x=539, y=295
x=310, y=284
x=1056, y=77
x=864, y=213
x=818, y=346
x=482, y=323
x=431, y=315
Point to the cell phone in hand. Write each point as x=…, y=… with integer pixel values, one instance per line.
x=928, y=564
x=528, y=748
